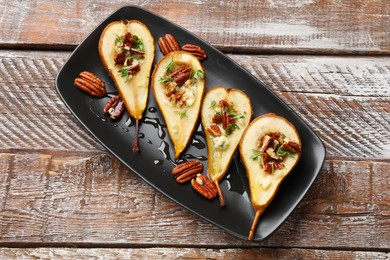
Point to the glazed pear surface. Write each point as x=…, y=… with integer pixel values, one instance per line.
x=131, y=75
x=178, y=84
x=270, y=148
x=225, y=115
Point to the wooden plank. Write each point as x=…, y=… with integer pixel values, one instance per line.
x=94, y=200
x=315, y=27
x=344, y=99
x=183, y=253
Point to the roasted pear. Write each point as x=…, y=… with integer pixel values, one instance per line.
x=178, y=84
x=126, y=49
x=270, y=148
x=225, y=115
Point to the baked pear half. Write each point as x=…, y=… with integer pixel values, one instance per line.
x=178, y=84
x=225, y=115
x=126, y=49
x=270, y=148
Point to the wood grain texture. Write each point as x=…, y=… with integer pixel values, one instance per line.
x=184, y=253
x=60, y=187
x=95, y=200
x=345, y=100
x=267, y=26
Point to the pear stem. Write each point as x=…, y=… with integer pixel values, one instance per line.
x=254, y=224
x=220, y=194
x=136, y=148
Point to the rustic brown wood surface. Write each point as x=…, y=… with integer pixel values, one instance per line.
x=307, y=26
x=183, y=253
x=60, y=189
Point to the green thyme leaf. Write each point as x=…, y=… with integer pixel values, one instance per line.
x=181, y=113
x=281, y=152
x=136, y=56
x=256, y=155
x=213, y=103
x=197, y=74
x=119, y=39
x=234, y=114
x=218, y=113
x=231, y=128
x=171, y=67
x=130, y=56
x=124, y=72
x=165, y=79
x=139, y=43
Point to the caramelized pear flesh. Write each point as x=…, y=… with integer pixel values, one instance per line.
x=178, y=84
x=126, y=49
x=270, y=148
x=133, y=87
x=225, y=115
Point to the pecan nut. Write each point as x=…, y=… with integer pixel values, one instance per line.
x=114, y=107
x=195, y=50
x=168, y=44
x=90, y=83
x=187, y=171
x=225, y=115
x=217, y=119
x=214, y=130
x=291, y=146
x=204, y=186
x=181, y=74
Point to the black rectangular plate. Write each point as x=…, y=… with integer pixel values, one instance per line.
x=155, y=162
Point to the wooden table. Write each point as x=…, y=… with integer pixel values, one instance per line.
x=63, y=195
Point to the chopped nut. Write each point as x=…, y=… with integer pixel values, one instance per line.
x=271, y=152
x=115, y=107
x=265, y=142
x=217, y=119
x=214, y=130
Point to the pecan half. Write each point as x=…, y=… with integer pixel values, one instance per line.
x=225, y=115
x=138, y=52
x=168, y=44
x=204, y=186
x=171, y=89
x=265, y=141
x=180, y=99
x=172, y=42
x=182, y=78
x=217, y=119
x=291, y=146
x=187, y=171
x=134, y=68
x=195, y=50
x=128, y=39
x=266, y=159
x=114, y=107
x=180, y=70
x=120, y=58
x=90, y=83
x=214, y=130
x=179, y=96
x=181, y=75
